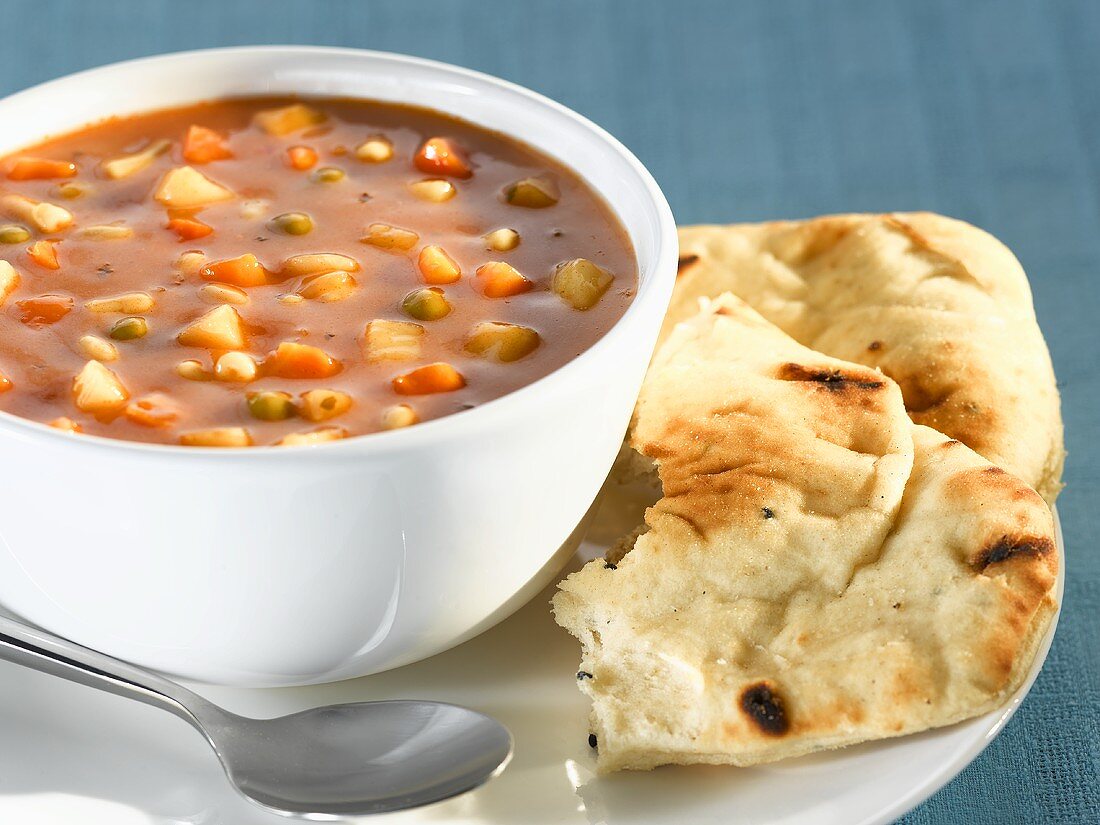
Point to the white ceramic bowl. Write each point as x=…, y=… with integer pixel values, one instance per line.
x=270, y=566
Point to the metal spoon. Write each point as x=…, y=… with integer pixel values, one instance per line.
x=325, y=763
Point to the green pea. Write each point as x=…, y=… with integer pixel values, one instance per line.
x=14, y=233
x=270, y=405
x=427, y=304
x=71, y=191
x=328, y=174
x=292, y=223
x=127, y=329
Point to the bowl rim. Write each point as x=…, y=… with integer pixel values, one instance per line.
x=386, y=441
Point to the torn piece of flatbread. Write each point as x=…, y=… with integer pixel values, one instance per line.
x=940, y=306
x=819, y=572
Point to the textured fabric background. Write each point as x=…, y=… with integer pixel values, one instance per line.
x=988, y=111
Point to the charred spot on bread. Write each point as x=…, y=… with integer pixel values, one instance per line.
x=874, y=346
x=832, y=379
x=1009, y=547
x=765, y=708
x=768, y=512
x=592, y=740
x=584, y=674
x=684, y=263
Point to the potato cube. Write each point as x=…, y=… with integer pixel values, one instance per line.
x=501, y=342
x=99, y=391
x=127, y=165
x=9, y=280
x=217, y=437
x=392, y=340
x=220, y=328
x=288, y=119
x=321, y=405
x=313, y=437
x=581, y=283
x=187, y=188
x=533, y=193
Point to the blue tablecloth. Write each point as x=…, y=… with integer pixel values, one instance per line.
x=988, y=111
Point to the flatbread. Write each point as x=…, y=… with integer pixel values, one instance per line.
x=940, y=306
x=819, y=572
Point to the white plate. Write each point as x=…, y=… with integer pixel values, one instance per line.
x=71, y=754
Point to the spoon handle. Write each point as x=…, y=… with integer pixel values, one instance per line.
x=40, y=650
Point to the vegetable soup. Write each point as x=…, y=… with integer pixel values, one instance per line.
x=292, y=271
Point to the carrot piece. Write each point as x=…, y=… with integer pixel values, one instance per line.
x=301, y=157
x=41, y=169
x=500, y=280
x=292, y=360
x=6, y=383
x=440, y=156
x=44, y=253
x=189, y=229
x=67, y=424
x=242, y=271
x=204, y=145
x=437, y=267
x=438, y=377
x=44, y=309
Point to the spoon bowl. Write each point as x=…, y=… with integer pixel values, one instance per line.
x=367, y=757
x=325, y=763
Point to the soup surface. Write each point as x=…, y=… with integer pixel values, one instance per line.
x=285, y=271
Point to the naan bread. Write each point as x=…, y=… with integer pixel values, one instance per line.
x=819, y=572
x=940, y=306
